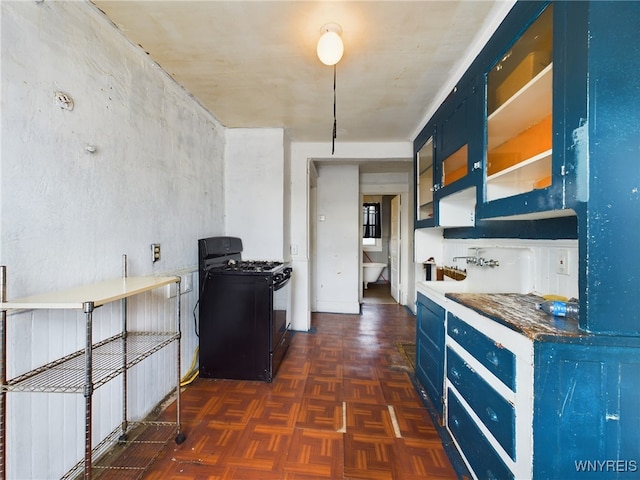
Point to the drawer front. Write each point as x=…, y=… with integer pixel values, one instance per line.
x=497, y=414
x=498, y=360
x=483, y=459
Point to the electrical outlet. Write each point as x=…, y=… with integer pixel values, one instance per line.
x=155, y=252
x=562, y=262
x=186, y=285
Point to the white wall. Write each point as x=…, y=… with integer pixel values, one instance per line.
x=544, y=278
x=254, y=190
x=338, y=233
x=67, y=216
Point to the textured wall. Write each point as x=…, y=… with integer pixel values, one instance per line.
x=254, y=190
x=155, y=177
x=68, y=216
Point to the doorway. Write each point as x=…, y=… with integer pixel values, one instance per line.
x=336, y=250
x=384, y=250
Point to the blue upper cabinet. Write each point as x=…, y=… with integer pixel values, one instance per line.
x=452, y=144
x=525, y=169
x=456, y=150
x=501, y=148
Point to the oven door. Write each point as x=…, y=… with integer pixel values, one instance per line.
x=281, y=323
x=281, y=310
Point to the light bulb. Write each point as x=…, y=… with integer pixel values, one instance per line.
x=330, y=47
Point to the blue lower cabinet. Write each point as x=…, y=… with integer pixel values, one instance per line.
x=495, y=412
x=587, y=413
x=430, y=350
x=482, y=458
x=557, y=406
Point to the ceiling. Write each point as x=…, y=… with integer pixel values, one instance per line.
x=253, y=63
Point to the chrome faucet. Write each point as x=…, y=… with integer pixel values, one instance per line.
x=492, y=263
x=471, y=260
x=483, y=262
x=480, y=261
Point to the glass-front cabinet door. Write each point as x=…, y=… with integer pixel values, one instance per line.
x=458, y=156
x=519, y=118
x=424, y=188
x=456, y=125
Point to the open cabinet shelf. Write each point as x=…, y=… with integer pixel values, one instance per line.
x=530, y=174
x=508, y=120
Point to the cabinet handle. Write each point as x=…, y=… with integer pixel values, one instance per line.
x=455, y=374
x=455, y=421
x=493, y=358
x=493, y=416
x=455, y=330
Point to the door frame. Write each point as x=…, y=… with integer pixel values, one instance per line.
x=403, y=192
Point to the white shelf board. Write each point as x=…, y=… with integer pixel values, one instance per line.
x=528, y=166
x=519, y=178
x=98, y=293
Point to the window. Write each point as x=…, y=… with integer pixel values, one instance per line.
x=371, y=220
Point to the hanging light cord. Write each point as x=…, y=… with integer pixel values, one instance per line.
x=333, y=142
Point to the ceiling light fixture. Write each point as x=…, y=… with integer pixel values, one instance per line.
x=330, y=50
x=330, y=47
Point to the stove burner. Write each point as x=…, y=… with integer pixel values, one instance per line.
x=250, y=265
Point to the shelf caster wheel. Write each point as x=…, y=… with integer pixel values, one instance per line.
x=181, y=437
x=122, y=438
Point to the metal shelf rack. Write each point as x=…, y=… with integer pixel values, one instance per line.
x=86, y=370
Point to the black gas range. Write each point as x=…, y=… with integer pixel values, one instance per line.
x=244, y=309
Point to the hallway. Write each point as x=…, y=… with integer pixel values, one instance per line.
x=342, y=406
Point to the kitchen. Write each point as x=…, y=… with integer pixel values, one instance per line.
x=73, y=201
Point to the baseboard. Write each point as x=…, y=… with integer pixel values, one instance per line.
x=338, y=307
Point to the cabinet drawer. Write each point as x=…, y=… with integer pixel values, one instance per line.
x=498, y=360
x=496, y=413
x=483, y=459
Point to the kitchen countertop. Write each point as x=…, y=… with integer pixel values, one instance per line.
x=520, y=313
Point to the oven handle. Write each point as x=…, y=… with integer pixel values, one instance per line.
x=285, y=279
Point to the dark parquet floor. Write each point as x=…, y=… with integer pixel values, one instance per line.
x=342, y=406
